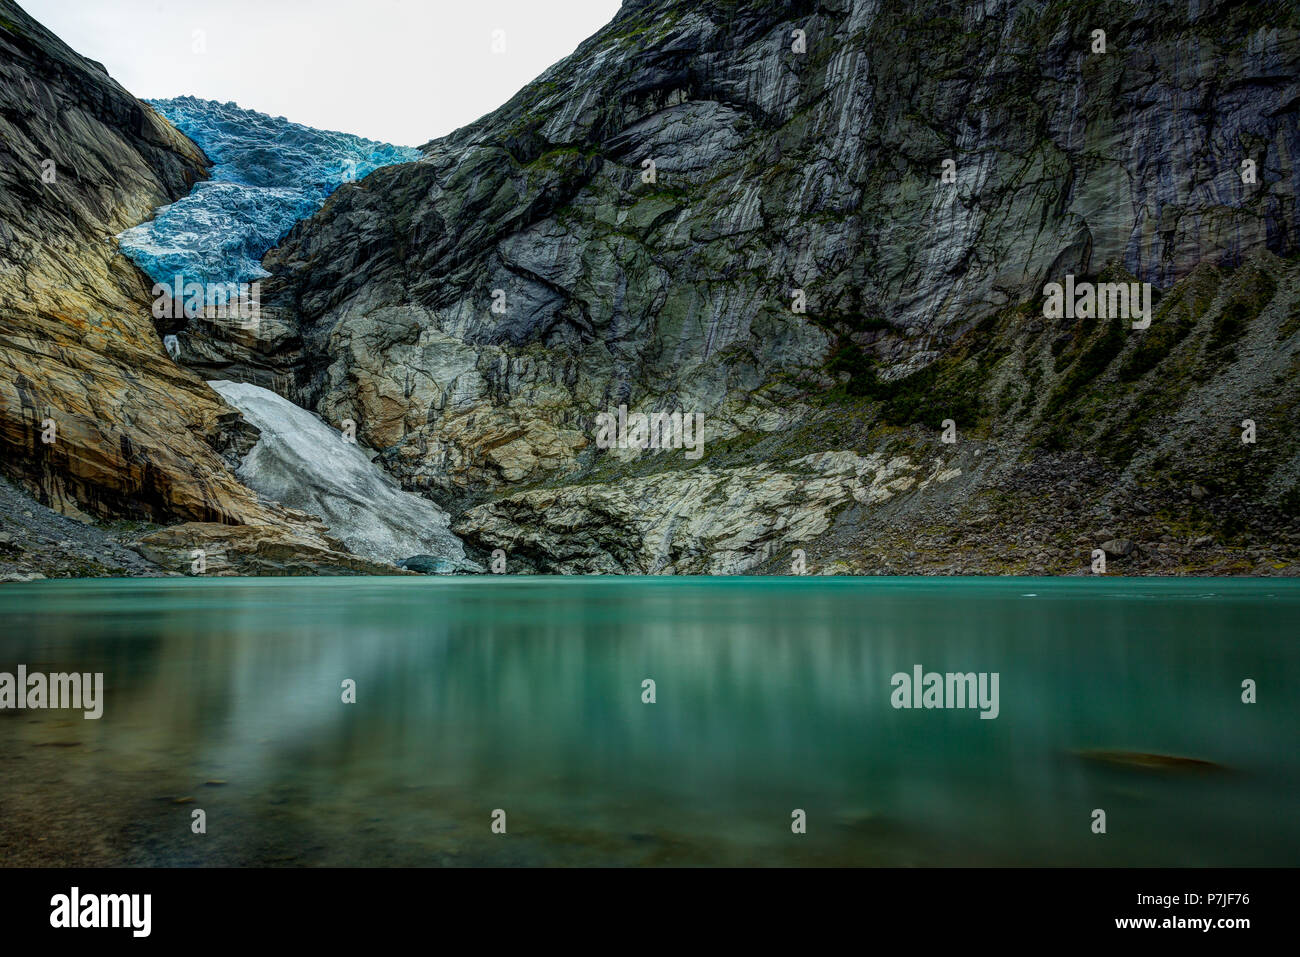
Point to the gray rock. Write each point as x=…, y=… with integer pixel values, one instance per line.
x=1118, y=548
x=774, y=171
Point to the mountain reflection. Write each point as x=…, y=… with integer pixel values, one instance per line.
x=526, y=695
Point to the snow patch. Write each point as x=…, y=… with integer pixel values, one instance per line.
x=302, y=462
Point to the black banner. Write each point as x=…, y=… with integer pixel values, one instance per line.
x=329, y=906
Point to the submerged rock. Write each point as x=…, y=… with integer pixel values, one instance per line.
x=302, y=463
x=1149, y=761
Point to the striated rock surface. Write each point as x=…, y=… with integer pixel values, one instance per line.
x=133, y=433
x=635, y=226
x=704, y=521
x=255, y=550
x=96, y=420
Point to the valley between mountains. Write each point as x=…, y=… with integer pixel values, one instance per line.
x=690, y=215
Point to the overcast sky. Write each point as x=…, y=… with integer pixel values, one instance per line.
x=401, y=71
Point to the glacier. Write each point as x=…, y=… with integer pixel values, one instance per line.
x=267, y=174
x=302, y=462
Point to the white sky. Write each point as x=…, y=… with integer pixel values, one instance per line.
x=401, y=71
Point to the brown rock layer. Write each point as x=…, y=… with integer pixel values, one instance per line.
x=96, y=420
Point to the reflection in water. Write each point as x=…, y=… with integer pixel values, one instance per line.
x=772, y=694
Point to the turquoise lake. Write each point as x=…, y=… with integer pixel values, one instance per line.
x=771, y=694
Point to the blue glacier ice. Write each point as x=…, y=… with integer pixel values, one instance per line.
x=268, y=173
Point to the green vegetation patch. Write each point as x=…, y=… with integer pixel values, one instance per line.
x=1247, y=301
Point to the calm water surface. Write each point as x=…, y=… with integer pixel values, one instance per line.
x=525, y=694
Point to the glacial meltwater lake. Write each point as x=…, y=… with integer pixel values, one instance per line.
x=771, y=695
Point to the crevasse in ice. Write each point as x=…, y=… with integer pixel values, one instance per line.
x=268, y=173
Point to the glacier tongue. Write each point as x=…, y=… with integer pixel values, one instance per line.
x=301, y=462
x=267, y=174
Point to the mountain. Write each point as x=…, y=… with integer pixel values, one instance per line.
x=640, y=225
x=96, y=421
x=946, y=288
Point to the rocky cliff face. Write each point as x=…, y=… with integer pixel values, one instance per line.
x=96, y=420
x=640, y=226
x=826, y=226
